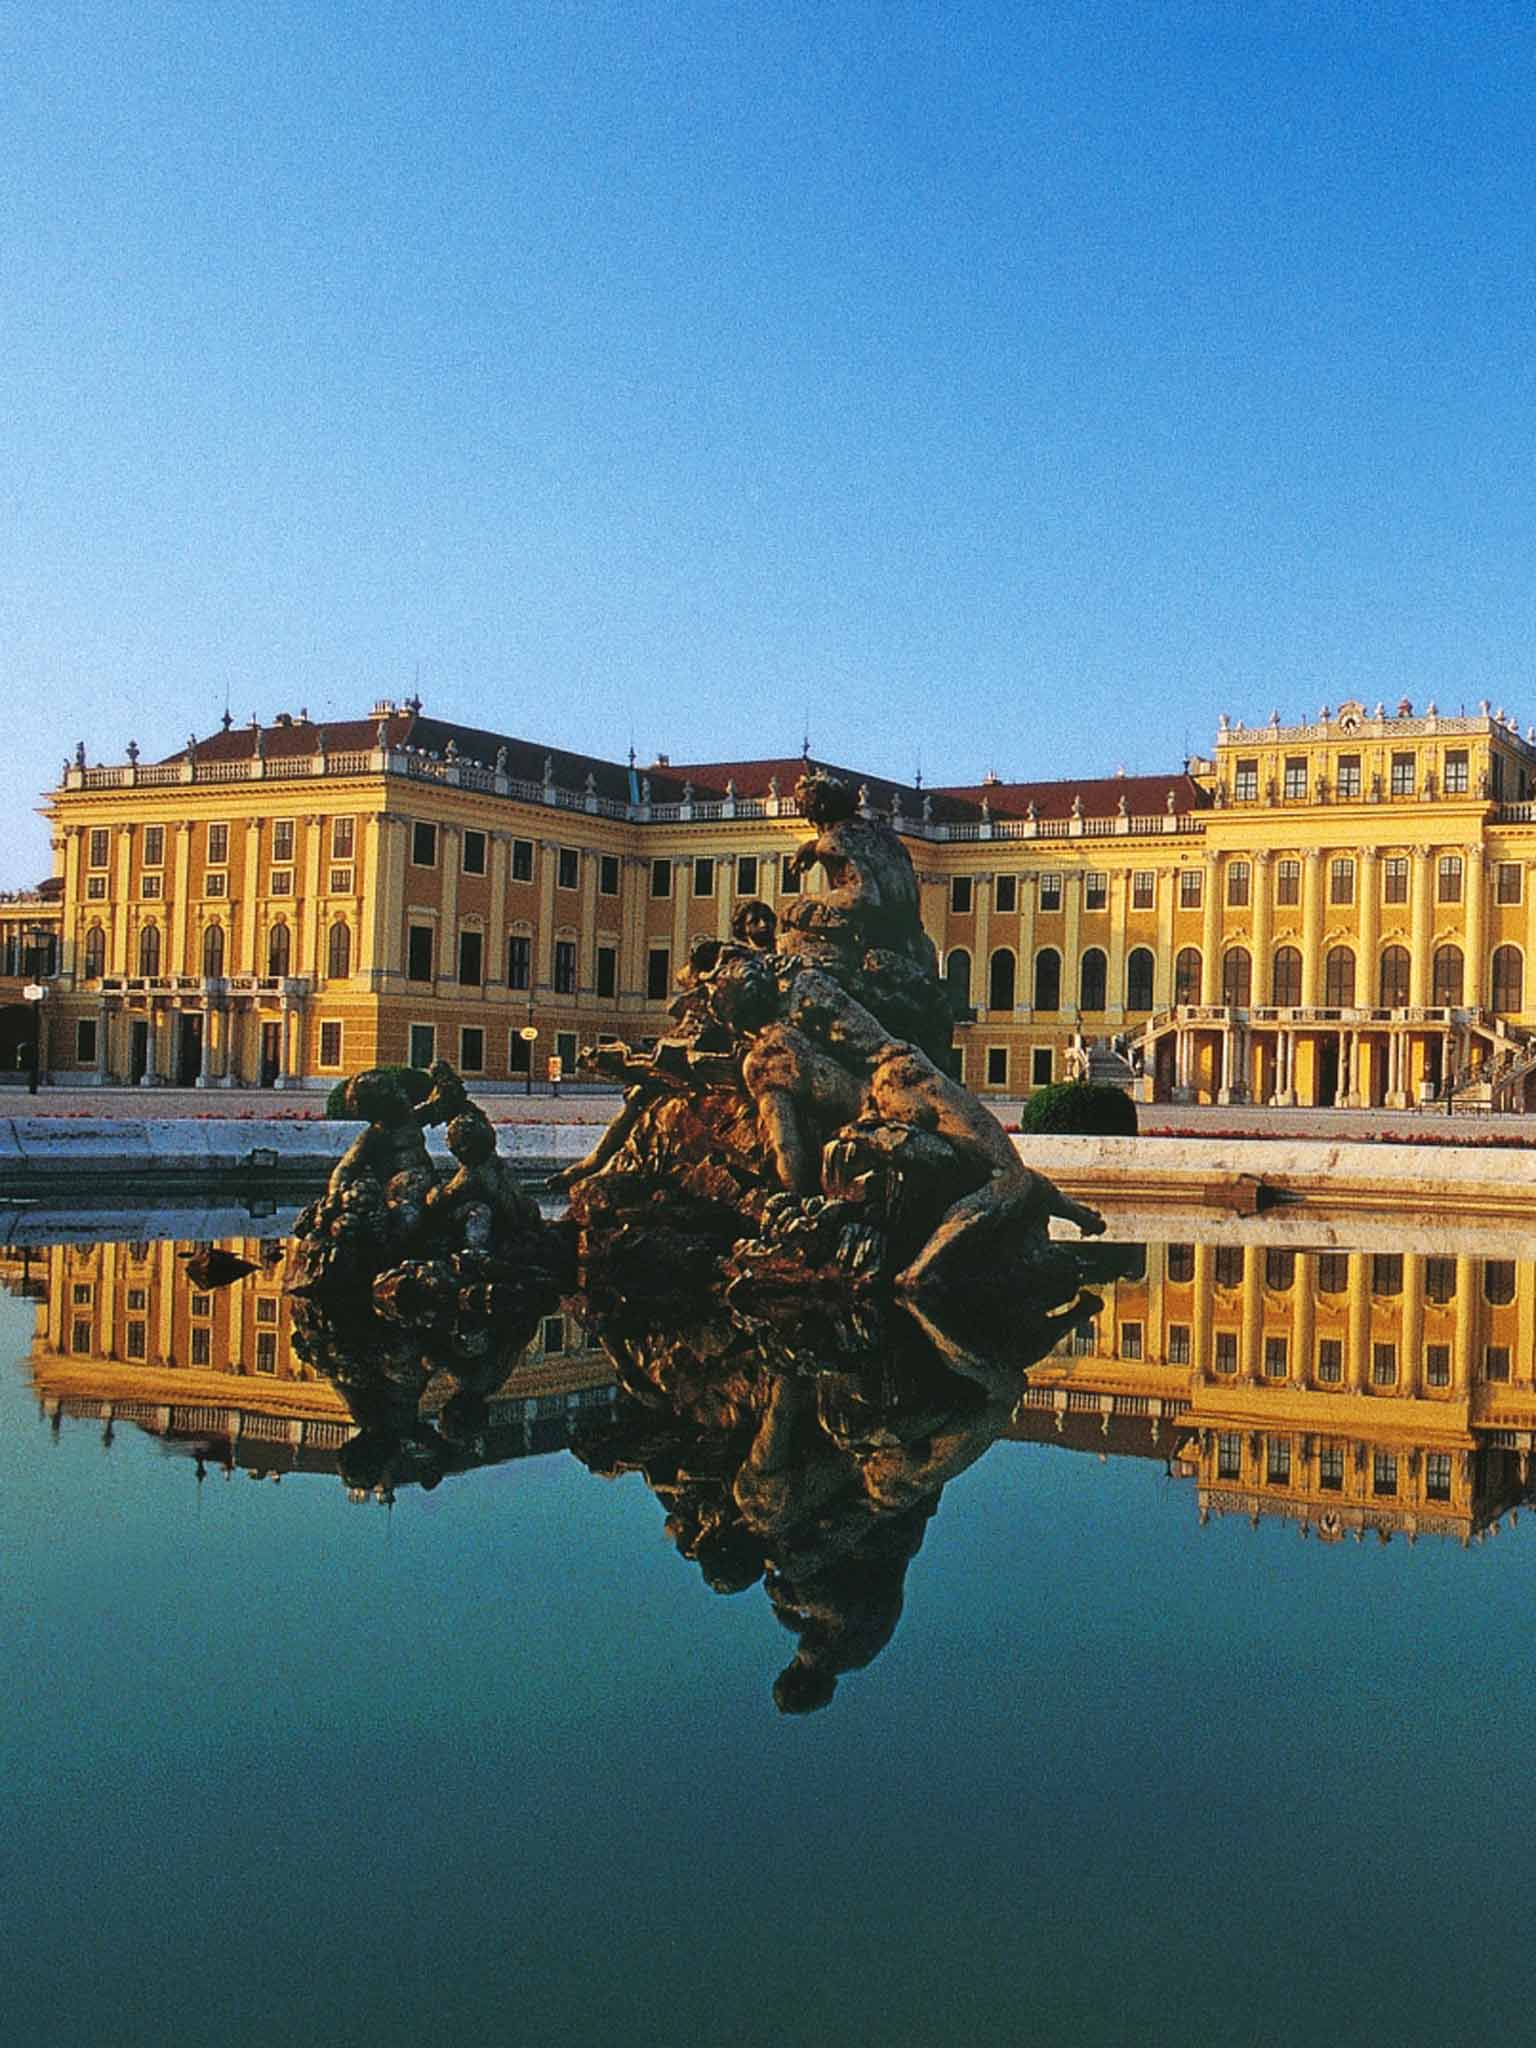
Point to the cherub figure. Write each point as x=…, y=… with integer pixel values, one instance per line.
x=482, y=1194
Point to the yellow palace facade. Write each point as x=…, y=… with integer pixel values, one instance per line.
x=1341, y=911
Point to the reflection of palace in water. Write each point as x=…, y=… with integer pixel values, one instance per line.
x=1346, y=1390
x=125, y=1336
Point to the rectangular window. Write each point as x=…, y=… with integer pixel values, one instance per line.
x=418, y=958
x=567, y=868
x=215, y=884
x=340, y=881
x=1383, y=1365
x=1178, y=1344
x=658, y=974
x=789, y=876
x=519, y=1054
x=746, y=874
x=280, y=882
x=1437, y=1476
x=1330, y=1468
x=1330, y=1361
x=266, y=1310
x=1402, y=775
x=154, y=846
x=1229, y=1455
x=81, y=1340
x=150, y=886
x=522, y=860
x=218, y=845
x=1495, y=1361
x=1050, y=892
x=1394, y=880
x=471, y=1049
x=1456, y=771
x=1040, y=1066
x=1181, y=1263
x=133, y=1340
x=1130, y=1340
x=1191, y=888
x=1095, y=892
x=608, y=874
x=566, y=1050
x=1144, y=890
x=1384, y=1472
x=330, y=1044
x=96, y=887
x=472, y=854
x=1341, y=881
x=1439, y=1280
x=1226, y=1351
x=552, y=1334
x=282, y=839
x=1349, y=776
x=1276, y=1358
x=343, y=838
x=136, y=1297
x=565, y=967
x=423, y=1044
x=519, y=959
x=1245, y=782
x=423, y=846
x=1005, y=894
x=1238, y=877
x=99, y=845
x=1295, y=778
x=1227, y=1265
x=202, y=1344
x=1288, y=882
x=960, y=895
x=997, y=1066
x=85, y=1042
x=471, y=958
x=1448, y=879
x=1506, y=882
x=703, y=876
x=1386, y=1273
x=1437, y=1365
x=661, y=878
x=607, y=971
x=1277, y=1465
x=1332, y=1272
x=266, y=1351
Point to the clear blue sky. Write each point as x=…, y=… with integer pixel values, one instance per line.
x=1016, y=386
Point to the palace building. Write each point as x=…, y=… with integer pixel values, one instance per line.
x=1333, y=912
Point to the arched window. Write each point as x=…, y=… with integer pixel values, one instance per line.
x=95, y=953
x=1285, y=984
x=1508, y=979
x=1339, y=979
x=1448, y=977
x=1048, y=979
x=213, y=951
x=279, y=945
x=1392, y=993
x=149, y=949
x=1237, y=979
x=1186, y=976
x=957, y=979
x=1093, y=980
x=1139, y=969
x=1000, y=981
x=338, y=956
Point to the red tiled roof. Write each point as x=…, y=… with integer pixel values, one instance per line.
x=1145, y=796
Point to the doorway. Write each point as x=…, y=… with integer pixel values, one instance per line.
x=189, y=1051
x=138, y=1049
x=271, y=1053
x=1327, y=1073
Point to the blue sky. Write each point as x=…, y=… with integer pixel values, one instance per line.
x=1016, y=387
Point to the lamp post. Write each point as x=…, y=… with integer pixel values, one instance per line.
x=36, y=995
x=529, y=1035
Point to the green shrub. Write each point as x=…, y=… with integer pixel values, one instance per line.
x=418, y=1085
x=1082, y=1108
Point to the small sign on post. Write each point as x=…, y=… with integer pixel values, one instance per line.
x=556, y=1069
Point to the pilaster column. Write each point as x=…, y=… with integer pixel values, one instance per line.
x=1311, y=925
x=1119, y=918
x=544, y=928
x=1420, y=921
x=1024, y=993
x=103, y=1042
x=1210, y=932
x=1204, y=1304
x=1263, y=907
x=1475, y=870
x=245, y=935
x=1358, y=1340
x=981, y=899
x=1368, y=877
x=500, y=849
x=176, y=938
x=1165, y=951
x=1304, y=1318
x=1251, y=1361
x=1465, y=1339
x=307, y=958
x=448, y=861
x=68, y=949
x=1410, y=1350
x=205, y=1069
x=122, y=899
x=383, y=892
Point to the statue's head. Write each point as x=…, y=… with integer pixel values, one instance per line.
x=471, y=1139
x=382, y=1095
x=753, y=923
x=742, y=991
x=825, y=799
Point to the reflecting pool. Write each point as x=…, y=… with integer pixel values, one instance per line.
x=1146, y=1676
